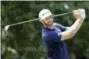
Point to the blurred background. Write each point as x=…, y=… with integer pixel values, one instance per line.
x=24, y=41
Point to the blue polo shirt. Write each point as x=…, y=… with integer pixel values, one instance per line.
x=56, y=49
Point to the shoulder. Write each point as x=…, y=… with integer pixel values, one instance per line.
x=63, y=28
x=57, y=24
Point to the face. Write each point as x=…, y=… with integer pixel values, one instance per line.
x=48, y=21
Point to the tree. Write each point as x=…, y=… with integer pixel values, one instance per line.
x=24, y=41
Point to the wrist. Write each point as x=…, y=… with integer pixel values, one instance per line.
x=78, y=18
x=81, y=21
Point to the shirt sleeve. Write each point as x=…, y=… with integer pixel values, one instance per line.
x=52, y=37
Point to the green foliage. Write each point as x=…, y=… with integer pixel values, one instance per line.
x=24, y=41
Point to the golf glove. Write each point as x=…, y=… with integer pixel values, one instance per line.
x=82, y=13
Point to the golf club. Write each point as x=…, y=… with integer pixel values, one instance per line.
x=7, y=26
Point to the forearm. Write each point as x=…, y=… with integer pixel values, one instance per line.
x=75, y=27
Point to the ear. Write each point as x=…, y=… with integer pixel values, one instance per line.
x=42, y=21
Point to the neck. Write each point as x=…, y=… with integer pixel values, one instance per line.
x=49, y=27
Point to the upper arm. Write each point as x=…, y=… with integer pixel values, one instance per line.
x=66, y=35
x=67, y=28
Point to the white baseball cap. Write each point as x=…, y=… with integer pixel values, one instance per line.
x=44, y=13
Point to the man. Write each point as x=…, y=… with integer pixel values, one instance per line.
x=54, y=34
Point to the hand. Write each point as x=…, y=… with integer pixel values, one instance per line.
x=79, y=14
x=76, y=14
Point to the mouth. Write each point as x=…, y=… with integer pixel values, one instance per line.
x=50, y=22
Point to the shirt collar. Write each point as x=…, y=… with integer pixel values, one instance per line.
x=47, y=28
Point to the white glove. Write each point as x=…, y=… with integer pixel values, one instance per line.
x=82, y=13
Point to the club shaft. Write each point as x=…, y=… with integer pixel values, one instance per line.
x=63, y=14
x=38, y=19
x=23, y=22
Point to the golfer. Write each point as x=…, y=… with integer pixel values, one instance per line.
x=54, y=34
